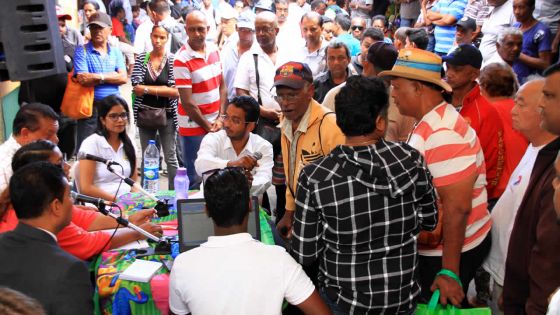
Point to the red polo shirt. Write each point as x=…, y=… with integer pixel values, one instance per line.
x=484, y=118
x=516, y=144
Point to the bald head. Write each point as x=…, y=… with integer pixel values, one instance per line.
x=525, y=115
x=532, y=90
x=267, y=17
x=196, y=17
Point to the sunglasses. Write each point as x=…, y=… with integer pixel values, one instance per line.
x=357, y=27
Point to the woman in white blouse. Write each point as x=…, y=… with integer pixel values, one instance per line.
x=112, y=143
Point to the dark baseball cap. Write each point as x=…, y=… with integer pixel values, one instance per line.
x=101, y=19
x=465, y=54
x=293, y=75
x=382, y=55
x=467, y=22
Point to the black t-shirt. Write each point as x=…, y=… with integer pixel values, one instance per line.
x=162, y=79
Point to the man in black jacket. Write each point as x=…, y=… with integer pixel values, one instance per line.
x=32, y=262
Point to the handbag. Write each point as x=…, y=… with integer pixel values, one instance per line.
x=151, y=117
x=77, y=102
x=266, y=128
x=434, y=308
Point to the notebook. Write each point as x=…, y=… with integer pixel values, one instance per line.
x=141, y=270
x=195, y=226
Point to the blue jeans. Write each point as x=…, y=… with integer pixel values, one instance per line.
x=190, y=146
x=86, y=127
x=167, y=135
x=407, y=22
x=431, y=42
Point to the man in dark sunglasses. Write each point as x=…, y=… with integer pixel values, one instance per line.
x=358, y=27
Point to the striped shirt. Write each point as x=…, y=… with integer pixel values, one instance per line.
x=202, y=74
x=445, y=35
x=453, y=152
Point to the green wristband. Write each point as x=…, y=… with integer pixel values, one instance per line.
x=450, y=274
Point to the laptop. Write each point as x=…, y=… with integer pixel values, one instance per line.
x=195, y=226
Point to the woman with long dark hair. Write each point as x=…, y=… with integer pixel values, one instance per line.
x=154, y=87
x=111, y=142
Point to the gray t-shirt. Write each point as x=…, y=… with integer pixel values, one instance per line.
x=410, y=10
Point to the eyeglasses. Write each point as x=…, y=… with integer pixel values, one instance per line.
x=233, y=120
x=116, y=116
x=287, y=97
x=357, y=27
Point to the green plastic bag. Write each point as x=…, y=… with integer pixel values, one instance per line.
x=434, y=308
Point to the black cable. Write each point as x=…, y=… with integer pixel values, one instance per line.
x=120, y=210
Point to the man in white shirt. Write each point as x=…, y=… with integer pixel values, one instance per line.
x=312, y=51
x=526, y=119
x=33, y=121
x=232, y=273
x=508, y=47
x=236, y=146
x=160, y=14
x=500, y=18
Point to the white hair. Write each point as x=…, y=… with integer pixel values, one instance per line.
x=509, y=31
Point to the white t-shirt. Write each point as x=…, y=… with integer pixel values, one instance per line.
x=235, y=274
x=7, y=151
x=97, y=145
x=504, y=213
x=500, y=18
x=246, y=77
x=143, y=40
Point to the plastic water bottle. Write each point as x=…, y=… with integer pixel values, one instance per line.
x=181, y=183
x=151, y=168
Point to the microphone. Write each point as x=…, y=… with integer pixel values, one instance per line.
x=98, y=202
x=257, y=155
x=91, y=157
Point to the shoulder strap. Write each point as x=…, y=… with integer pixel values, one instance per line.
x=321, y=124
x=146, y=58
x=256, y=59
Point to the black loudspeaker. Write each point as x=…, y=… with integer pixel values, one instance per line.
x=30, y=43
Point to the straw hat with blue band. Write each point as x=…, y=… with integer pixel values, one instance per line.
x=418, y=64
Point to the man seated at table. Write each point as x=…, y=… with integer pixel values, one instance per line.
x=32, y=262
x=232, y=273
x=236, y=146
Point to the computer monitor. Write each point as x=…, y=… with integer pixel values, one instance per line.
x=195, y=226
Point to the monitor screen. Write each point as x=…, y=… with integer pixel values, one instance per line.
x=195, y=226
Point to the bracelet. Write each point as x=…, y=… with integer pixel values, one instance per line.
x=450, y=274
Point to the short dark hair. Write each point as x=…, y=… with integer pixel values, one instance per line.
x=551, y=70
x=373, y=33
x=327, y=19
x=227, y=196
x=380, y=18
x=159, y=6
x=34, y=186
x=498, y=80
x=103, y=108
x=311, y=15
x=29, y=116
x=249, y=105
x=35, y=151
x=316, y=3
x=356, y=111
x=419, y=37
x=344, y=21
x=335, y=44
x=93, y=3
x=186, y=10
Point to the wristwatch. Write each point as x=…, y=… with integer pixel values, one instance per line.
x=102, y=80
x=146, y=90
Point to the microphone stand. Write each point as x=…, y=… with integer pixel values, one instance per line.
x=163, y=244
x=161, y=207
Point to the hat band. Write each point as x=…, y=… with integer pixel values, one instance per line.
x=419, y=65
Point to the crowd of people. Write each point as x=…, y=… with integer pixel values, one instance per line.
x=412, y=147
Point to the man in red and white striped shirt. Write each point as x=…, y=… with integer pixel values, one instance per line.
x=455, y=159
x=198, y=76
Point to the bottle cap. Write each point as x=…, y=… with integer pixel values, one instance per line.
x=151, y=142
x=181, y=171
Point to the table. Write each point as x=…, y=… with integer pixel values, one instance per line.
x=118, y=297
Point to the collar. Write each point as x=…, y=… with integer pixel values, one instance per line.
x=471, y=96
x=90, y=48
x=248, y=146
x=35, y=232
x=105, y=144
x=12, y=142
x=208, y=49
x=228, y=240
x=49, y=232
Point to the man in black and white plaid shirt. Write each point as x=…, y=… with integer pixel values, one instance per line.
x=360, y=209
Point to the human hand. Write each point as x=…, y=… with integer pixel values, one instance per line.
x=216, y=126
x=246, y=162
x=87, y=79
x=142, y=216
x=449, y=289
x=152, y=228
x=284, y=226
x=271, y=114
x=139, y=90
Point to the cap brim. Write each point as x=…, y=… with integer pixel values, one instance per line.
x=250, y=26
x=98, y=23
x=290, y=83
x=398, y=74
x=64, y=16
